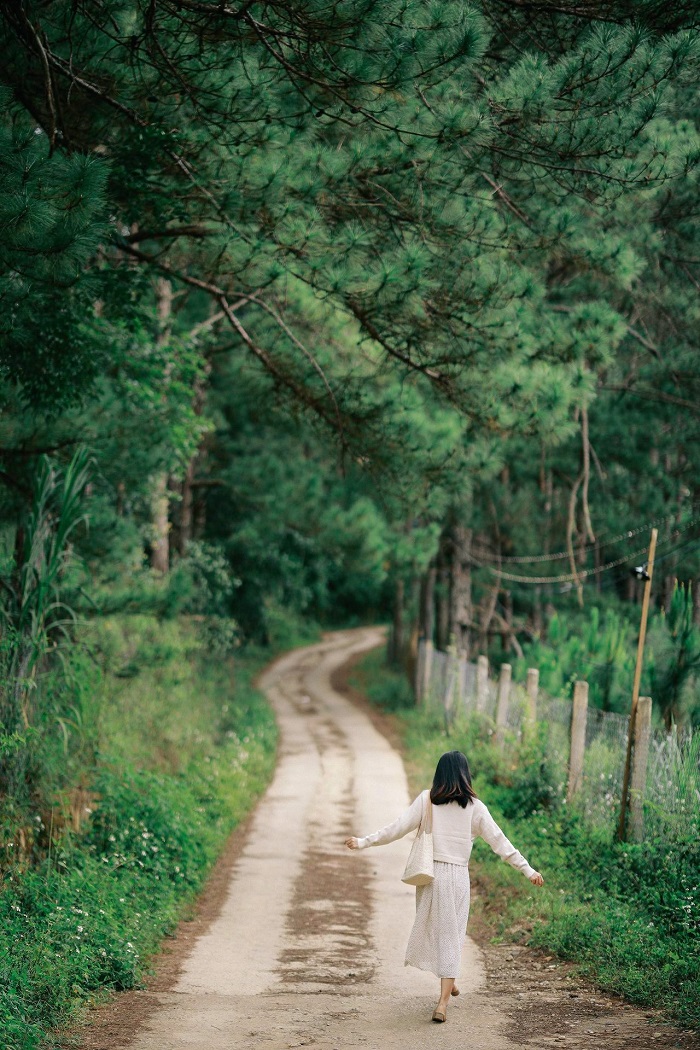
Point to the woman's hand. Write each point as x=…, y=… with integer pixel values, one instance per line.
x=537, y=879
x=352, y=843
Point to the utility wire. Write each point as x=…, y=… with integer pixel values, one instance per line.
x=685, y=548
x=614, y=579
x=560, y=555
x=569, y=577
x=582, y=573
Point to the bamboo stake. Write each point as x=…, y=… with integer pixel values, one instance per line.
x=621, y=828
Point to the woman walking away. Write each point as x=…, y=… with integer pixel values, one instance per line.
x=442, y=906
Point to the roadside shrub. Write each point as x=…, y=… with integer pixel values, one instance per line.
x=530, y=783
x=95, y=905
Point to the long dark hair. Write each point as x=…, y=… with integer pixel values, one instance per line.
x=452, y=781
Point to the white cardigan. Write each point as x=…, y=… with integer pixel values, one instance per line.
x=454, y=831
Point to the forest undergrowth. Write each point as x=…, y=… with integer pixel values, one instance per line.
x=628, y=914
x=167, y=780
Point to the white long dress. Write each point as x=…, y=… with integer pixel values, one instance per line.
x=442, y=907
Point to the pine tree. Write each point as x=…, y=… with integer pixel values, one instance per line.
x=475, y=219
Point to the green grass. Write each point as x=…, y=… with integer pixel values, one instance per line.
x=629, y=915
x=181, y=744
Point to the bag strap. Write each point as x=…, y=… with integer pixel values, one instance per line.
x=426, y=817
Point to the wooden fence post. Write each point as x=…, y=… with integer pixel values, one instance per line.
x=642, y=736
x=448, y=701
x=503, y=701
x=647, y=575
x=532, y=688
x=426, y=670
x=482, y=682
x=579, y=716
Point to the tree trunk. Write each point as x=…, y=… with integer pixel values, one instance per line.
x=461, y=608
x=426, y=611
x=443, y=596
x=396, y=641
x=570, y=528
x=411, y=652
x=160, y=501
x=508, y=636
x=489, y=611
x=160, y=524
x=186, y=515
x=199, y=515
x=587, y=530
x=537, y=618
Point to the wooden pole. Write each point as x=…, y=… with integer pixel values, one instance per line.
x=532, y=688
x=482, y=682
x=449, y=698
x=621, y=827
x=503, y=701
x=642, y=737
x=579, y=717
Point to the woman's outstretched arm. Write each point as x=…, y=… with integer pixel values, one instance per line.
x=408, y=821
x=486, y=827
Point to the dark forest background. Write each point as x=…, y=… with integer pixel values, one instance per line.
x=350, y=311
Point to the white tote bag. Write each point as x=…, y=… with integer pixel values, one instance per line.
x=419, y=866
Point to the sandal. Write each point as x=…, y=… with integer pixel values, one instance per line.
x=455, y=991
x=439, y=1015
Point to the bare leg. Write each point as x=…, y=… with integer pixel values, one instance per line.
x=446, y=986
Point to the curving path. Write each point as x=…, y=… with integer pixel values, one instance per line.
x=308, y=949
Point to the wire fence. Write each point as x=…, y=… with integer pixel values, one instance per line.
x=666, y=799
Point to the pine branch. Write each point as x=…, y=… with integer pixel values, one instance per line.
x=655, y=395
x=371, y=329
x=561, y=308
x=307, y=353
x=586, y=448
x=570, y=524
x=44, y=58
x=272, y=367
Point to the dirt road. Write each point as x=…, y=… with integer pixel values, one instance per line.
x=308, y=947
